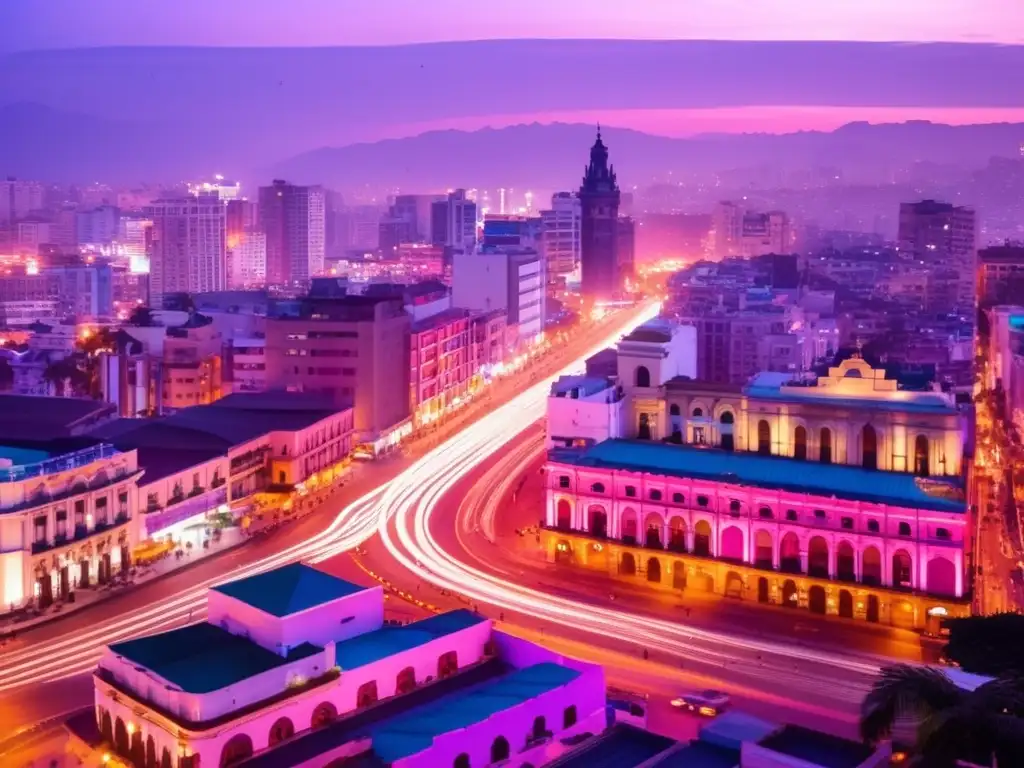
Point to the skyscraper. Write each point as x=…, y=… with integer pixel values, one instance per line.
x=292, y=218
x=187, y=250
x=599, y=200
x=942, y=236
x=562, y=224
x=461, y=229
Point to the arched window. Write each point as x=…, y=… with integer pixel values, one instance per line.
x=764, y=437
x=725, y=431
x=281, y=729
x=462, y=761
x=825, y=446
x=644, y=430
x=324, y=713
x=800, y=443
x=673, y=410
x=238, y=748
x=569, y=716
x=367, y=695
x=447, y=664
x=406, y=680
x=698, y=413
x=540, y=727
x=869, y=447
x=499, y=750
x=904, y=529
x=597, y=487
x=873, y=526
x=676, y=422
x=921, y=456
x=643, y=376
x=764, y=513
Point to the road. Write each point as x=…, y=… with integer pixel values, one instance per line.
x=45, y=671
x=439, y=527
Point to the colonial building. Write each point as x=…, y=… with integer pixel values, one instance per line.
x=66, y=518
x=843, y=495
x=295, y=667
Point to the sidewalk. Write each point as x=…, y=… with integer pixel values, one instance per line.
x=173, y=562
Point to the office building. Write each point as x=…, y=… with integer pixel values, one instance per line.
x=509, y=280
x=842, y=496
x=448, y=690
x=187, y=246
x=133, y=237
x=561, y=235
x=247, y=261
x=1000, y=275
x=599, y=236
x=98, y=226
x=292, y=218
x=84, y=291
x=441, y=365
x=512, y=231
x=453, y=222
x=352, y=349
x=737, y=231
x=942, y=236
x=19, y=198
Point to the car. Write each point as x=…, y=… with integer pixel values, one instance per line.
x=707, y=703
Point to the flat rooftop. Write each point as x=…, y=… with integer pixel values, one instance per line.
x=362, y=724
x=771, y=472
x=289, y=589
x=387, y=641
x=817, y=748
x=19, y=457
x=201, y=658
x=699, y=754
x=622, y=746
x=586, y=385
x=416, y=730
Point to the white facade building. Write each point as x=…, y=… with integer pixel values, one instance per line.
x=510, y=280
x=583, y=411
x=561, y=235
x=188, y=247
x=247, y=262
x=461, y=221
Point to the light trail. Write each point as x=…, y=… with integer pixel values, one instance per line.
x=404, y=516
x=78, y=651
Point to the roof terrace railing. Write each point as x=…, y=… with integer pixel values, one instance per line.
x=61, y=463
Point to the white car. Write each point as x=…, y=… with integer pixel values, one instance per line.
x=707, y=703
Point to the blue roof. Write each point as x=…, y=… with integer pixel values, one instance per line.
x=416, y=730
x=622, y=746
x=774, y=472
x=387, y=641
x=731, y=729
x=922, y=402
x=19, y=457
x=699, y=754
x=203, y=657
x=817, y=748
x=288, y=589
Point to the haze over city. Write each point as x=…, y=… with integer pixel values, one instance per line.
x=408, y=384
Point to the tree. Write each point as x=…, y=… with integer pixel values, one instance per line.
x=982, y=726
x=987, y=645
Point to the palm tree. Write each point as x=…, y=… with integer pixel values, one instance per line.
x=984, y=726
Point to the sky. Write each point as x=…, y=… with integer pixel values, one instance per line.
x=47, y=24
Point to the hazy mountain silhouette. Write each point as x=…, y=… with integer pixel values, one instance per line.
x=553, y=156
x=166, y=113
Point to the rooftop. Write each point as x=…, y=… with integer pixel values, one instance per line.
x=585, y=385
x=817, y=748
x=416, y=730
x=288, y=589
x=443, y=317
x=773, y=472
x=387, y=641
x=36, y=417
x=21, y=456
x=622, y=746
x=699, y=754
x=201, y=658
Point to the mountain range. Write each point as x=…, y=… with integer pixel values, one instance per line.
x=129, y=114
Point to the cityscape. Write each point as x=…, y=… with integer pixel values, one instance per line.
x=393, y=387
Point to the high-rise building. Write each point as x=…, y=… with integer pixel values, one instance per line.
x=247, y=261
x=461, y=230
x=187, y=246
x=562, y=223
x=132, y=234
x=739, y=232
x=241, y=218
x=506, y=279
x=1000, y=275
x=292, y=218
x=599, y=200
x=19, y=198
x=942, y=235
x=98, y=226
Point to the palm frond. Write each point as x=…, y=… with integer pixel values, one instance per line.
x=908, y=692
